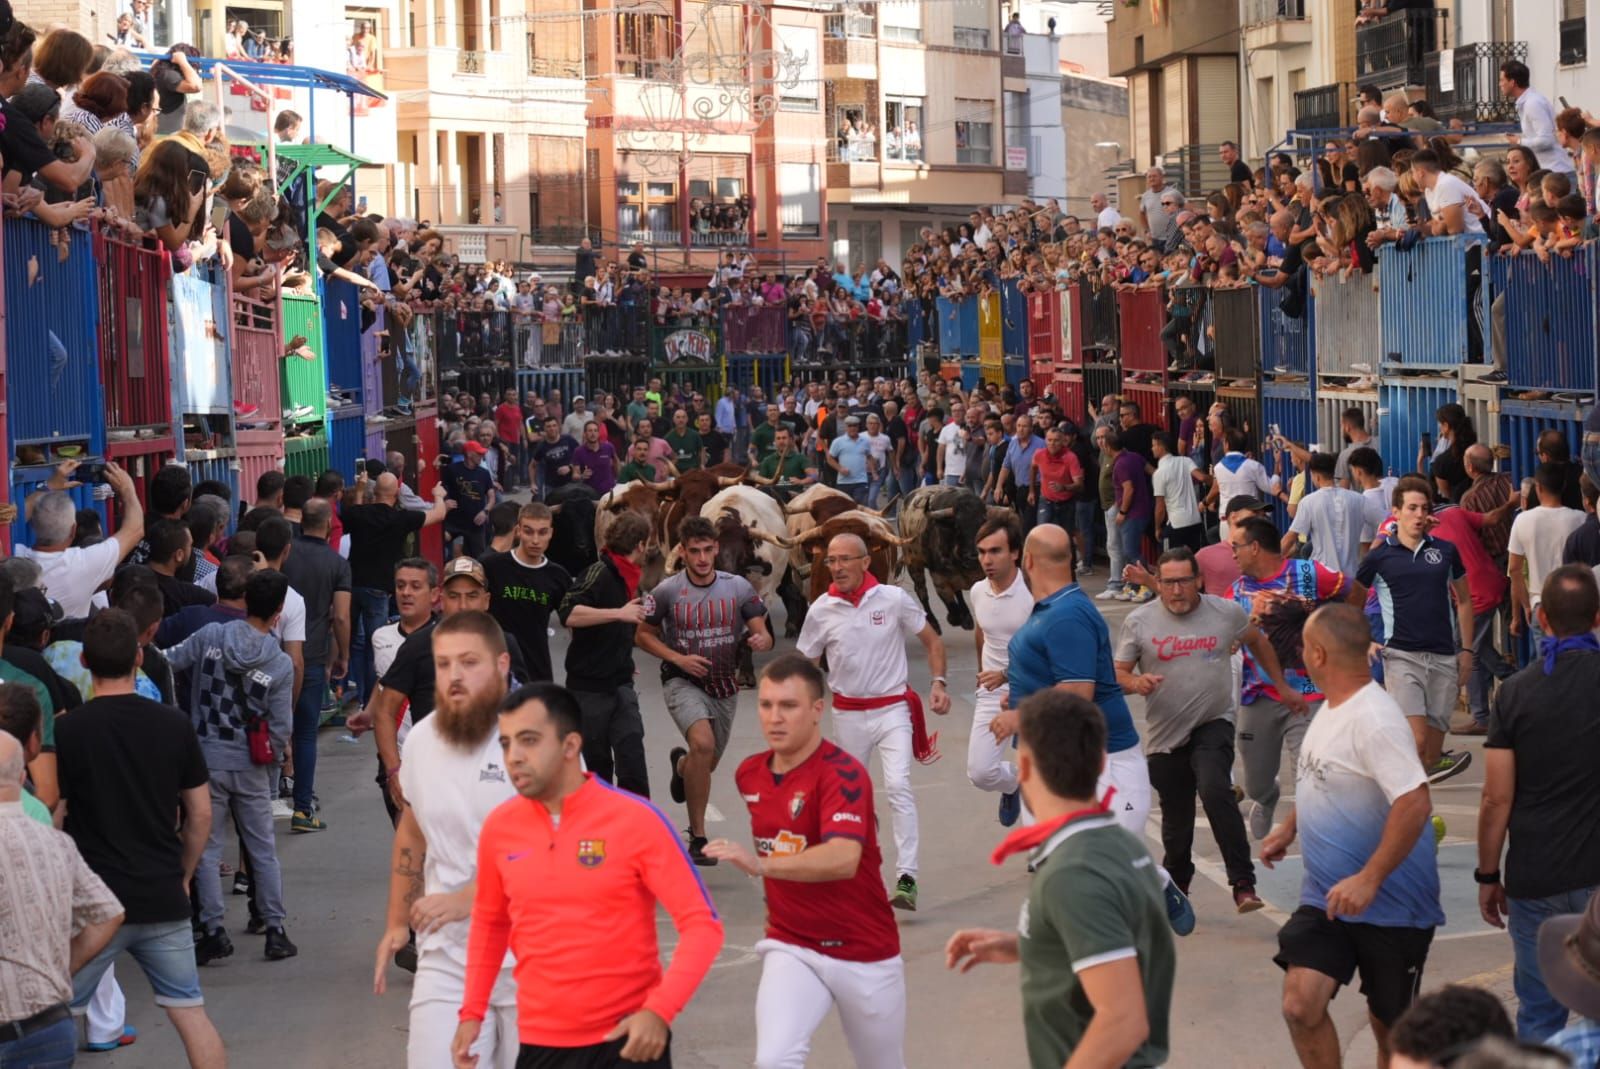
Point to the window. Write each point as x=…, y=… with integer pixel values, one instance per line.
x=644, y=44
x=647, y=209
x=719, y=208
x=901, y=21
x=1016, y=116
x=1574, y=32
x=866, y=242
x=801, y=42
x=800, y=198
x=855, y=140
x=902, y=128
x=972, y=24
x=855, y=21
x=975, y=131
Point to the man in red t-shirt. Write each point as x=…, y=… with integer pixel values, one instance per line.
x=831, y=937
x=1055, y=478
x=508, y=424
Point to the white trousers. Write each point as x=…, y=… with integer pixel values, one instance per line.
x=888, y=731
x=799, y=986
x=987, y=766
x=1127, y=773
x=108, y=1009
x=435, y=1003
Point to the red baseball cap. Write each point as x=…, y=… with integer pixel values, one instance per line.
x=475, y=447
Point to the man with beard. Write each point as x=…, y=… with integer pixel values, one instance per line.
x=453, y=777
x=408, y=685
x=568, y=879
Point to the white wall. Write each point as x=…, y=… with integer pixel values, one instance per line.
x=1048, y=165
x=1538, y=23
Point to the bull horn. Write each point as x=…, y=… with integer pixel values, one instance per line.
x=790, y=510
x=731, y=480
x=555, y=508
x=768, y=536
x=896, y=540
x=941, y=514
x=805, y=536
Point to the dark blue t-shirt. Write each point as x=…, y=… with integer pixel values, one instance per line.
x=1066, y=640
x=552, y=457
x=469, y=488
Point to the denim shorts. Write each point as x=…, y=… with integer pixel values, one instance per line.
x=163, y=949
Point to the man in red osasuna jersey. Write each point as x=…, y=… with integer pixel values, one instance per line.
x=569, y=874
x=831, y=938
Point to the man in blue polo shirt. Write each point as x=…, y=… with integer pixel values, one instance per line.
x=1066, y=644
x=1017, y=468
x=1425, y=663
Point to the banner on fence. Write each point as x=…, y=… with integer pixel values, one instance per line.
x=693, y=346
x=201, y=346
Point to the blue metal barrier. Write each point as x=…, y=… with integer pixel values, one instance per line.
x=1291, y=407
x=1406, y=411
x=1349, y=327
x=766, y=372
x=967, y=314
x=1288, y=343
x=1014, y=319
x=949, y=315
x=1237, y=325
x=1435, y=310
x=1521, y=423
x=971, y=375
x=1549, y=319
x=24, y=484
x=570, y=381
x=224, y=470
x=347, y=442
x=52, y=306
x=916, y=324
x=341, y=336
x=1016, y=370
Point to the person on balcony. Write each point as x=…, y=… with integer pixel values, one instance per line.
x=1535, y=117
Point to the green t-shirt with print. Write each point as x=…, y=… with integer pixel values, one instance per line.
x=685, y=448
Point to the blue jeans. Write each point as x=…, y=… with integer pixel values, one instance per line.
x=163, y=949
x=1130, y=536
x=857, y=492
x=1591, y=461
x=1059, y=513
x=49, y=1048
x=1487, y=664
x=307, y=720
x=1539, y=1015
x=371, y=613
x=1087, y=512
x=1114, y=555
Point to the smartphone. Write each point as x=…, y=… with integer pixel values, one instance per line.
x=1274, y=432
x=1427, y=445
x=219, y=214
x=90, y=471
x=361, y=205
x=361, y=466
x=1564, y=103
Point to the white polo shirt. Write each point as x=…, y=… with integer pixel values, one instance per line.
x=1000, y=616
x=866, y=642
x=72, y=575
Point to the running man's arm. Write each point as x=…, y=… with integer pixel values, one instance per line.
x=1266, y=659
x=1120, y=1025
x=1494, y=819
x=939, y=691
x=672, y=882
x=406, y=858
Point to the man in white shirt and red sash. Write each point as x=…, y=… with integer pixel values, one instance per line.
x=861, y=625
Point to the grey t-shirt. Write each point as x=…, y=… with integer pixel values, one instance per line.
x=1336, y=524
x=1193, y=656
x=1341, y=465
x=707, y=621
x=316, y=573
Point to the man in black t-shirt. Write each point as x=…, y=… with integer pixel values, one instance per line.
x=551, y=457
x=378, y=534
x=471, y=488
x=525, y=587
x=716, y=443
x=405, y=695
x=127, y=765
x=1238, y=170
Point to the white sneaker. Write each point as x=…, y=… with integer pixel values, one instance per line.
x=1108, y=594
x=1259, y=817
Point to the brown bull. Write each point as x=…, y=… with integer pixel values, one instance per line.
x=646, y=501
x=883, y=546
x=689, y=494
x=940, y=525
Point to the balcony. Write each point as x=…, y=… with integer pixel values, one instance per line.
x=850, y=57
x=1323, y=108
x=1390, y=53
x=1476, y=96
x=854, y=165
x=1196, y=169
x=1273, y=24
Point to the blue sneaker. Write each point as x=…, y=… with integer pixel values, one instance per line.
x=1010, y=807
x=1180, y=914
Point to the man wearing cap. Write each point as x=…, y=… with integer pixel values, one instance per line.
x=405, y=694
x=471, y=489
x=1539, y=785
x=851, y=458
x=572, y=426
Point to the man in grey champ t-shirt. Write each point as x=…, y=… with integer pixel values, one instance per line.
x=1176, y=652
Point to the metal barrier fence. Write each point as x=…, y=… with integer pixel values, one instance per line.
x=1288, y=345
x=1142, y=314
x=257, y=351
x=135, y=367
x=1349, y=334
x=202, y=370
x=1331, y=404
x=53, y=389
x=1549, y=319
x=1013, y=319
x=1236, y=322
x=751, y=329
x=1522, y=422
x=1289, y=408
x=305, y=389
x=1406, y=411
x=1435, y=307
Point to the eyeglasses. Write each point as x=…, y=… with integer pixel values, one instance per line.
x=1187, y=580
x=829, y=562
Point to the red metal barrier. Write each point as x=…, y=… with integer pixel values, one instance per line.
x=1072, y=397
x=141, y=460
x=1044, y=325
x=255, y=459
x=1070, y=320
x=1043, y=374
x=1152, y=401
x=428, y=478
x=1142, y=314
x=135, y=365
x=257, y=347
x=750, y=329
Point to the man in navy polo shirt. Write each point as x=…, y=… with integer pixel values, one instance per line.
x=1065, y=644
x=1425, y=661
x=1018, y=469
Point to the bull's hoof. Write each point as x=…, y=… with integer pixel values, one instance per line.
x=747, y=682
x=791, y=630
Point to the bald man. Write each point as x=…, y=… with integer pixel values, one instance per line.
x=861, y=626
x=378, y=534
x=396, y=463
x=1066, y=645
x=1369, y=900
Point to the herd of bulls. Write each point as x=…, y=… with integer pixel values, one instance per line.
x=778, y=541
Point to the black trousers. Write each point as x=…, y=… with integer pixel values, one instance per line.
x=597, y=1056
x=613, y=738
x=1200, y=766
x=1192, y=537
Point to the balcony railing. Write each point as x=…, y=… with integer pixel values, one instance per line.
x=1476, y=96
x=1574, y=41
x=469, y=61
x=1322, y=108
x=854, y=24
x=1259, y=11
x=1391, y=51
x=967, y=37
x=1196, y=169
x=862, y=150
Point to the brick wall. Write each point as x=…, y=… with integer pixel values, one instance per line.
x=95, y=19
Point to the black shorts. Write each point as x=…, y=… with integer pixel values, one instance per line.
x=1389, y=960
x=596, y=1056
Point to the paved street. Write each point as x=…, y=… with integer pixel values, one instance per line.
x=317, y=1010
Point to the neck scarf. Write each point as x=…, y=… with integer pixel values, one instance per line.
x=868, y=581
x=629, y=571
x=1550, y=648
x=1036, y=835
